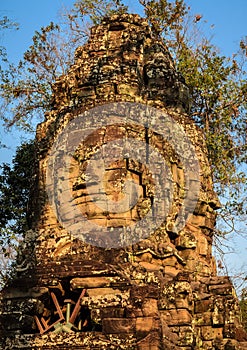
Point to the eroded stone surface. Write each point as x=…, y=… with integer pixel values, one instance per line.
x=160, y=293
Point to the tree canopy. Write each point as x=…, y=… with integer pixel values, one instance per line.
x=15, y=186
x=218, y=84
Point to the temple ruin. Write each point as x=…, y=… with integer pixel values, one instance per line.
x=162, y=291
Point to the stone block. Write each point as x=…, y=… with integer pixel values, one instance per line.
x=176, y=317
x=171, y=271
x=197, y=220
x=118, y=325
x=93, y=282
x=144, y=325
x=146, y=257
x=207, y=345
x=217, y=280
x=210, y=333
x=221, y=289
x=186, y=240
x=112, y=312
x=229, y=331
x=202, y=306
x=202, y=244
x=150, y=307
x=171, y=261
x=203, y=319
x=133, y=312
x=183, y=303
x=151, y=342
x=150, y=266
x=186, y=336
x=145, y=291
x=103, y=291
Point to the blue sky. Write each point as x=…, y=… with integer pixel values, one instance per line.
x=31, y=15
x=227, y=16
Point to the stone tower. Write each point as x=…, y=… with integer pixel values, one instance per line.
x=159, y=291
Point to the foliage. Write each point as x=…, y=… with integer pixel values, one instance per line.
x=96, y=10
x=26, y=88
x=5, y=24
x=15, y=187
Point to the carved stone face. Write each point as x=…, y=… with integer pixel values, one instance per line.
x=125, y=183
